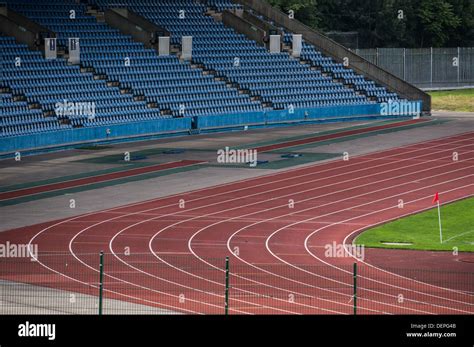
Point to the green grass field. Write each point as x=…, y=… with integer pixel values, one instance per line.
x=461, y=100
x=422, y=230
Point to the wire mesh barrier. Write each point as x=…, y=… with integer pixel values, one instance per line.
x=416, y=291
x=65, y=283
x=57, y=285
x=283, y=289
x=426, y=67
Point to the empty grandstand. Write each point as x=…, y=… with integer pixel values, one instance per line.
x=221, y=78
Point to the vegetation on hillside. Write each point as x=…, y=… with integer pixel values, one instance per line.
x=391, y=23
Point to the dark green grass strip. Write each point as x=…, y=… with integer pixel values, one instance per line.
x=283, y=162
x=356, y=137
x=118, y=158
x=99, y=185
x=68, y=178
x=322, y=133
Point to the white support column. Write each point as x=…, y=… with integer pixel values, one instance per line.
x=74, y=51
x=164, y=45
x=186, y=47
x=296, y=45
x=50, y=48
x=275, y=44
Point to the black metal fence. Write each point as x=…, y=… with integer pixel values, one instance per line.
x=60, y=283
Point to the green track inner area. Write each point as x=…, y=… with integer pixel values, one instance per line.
x=421, y=230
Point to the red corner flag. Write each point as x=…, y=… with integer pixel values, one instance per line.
x=436, y=200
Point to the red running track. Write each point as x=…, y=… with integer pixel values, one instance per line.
x=171, y=165
x=340, y=134
x=275, y=230
x=95, y=179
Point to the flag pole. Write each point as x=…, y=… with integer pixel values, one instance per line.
x=439, y=220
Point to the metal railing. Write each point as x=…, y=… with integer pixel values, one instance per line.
x=333, y=49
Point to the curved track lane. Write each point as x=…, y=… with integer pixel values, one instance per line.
x=163, y=255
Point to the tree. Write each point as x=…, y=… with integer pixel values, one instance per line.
x=390, y=23
x=305, y=10
x=463, y=35
x=436, y=21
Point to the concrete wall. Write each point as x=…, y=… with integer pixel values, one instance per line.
x=130, y=23
x=23, y=29
x=172, y=126
x=250, y=25
x=337, y=51
x=260, y=23
x=94, y=134
x=243, y=26
x=284, y=116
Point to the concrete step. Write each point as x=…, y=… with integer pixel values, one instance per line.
x=19, y=97
x=34, y=106
x=152, y=105
x=194, y=131
x=48, y=114
x=113, y=83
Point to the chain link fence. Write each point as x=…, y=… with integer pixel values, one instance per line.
x=426, y=68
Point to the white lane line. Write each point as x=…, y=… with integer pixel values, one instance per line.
x=257, y=223
x=227, y=210
x=455, y=236
x=197, y=217
x=236, y=183
x=395, y=274
x=384, y=283
x=298, y=211
x=134, y=284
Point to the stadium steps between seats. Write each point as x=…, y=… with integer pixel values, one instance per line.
x=49, y=82
x=279, y=79
x=99, y=14
x=339, y=72
x=230, y=84
x=287, y=48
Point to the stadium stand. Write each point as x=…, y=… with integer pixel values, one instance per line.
x=48, y=82
x=338, y=71
x=276, y=79
x=230, y=76
x=164, y=81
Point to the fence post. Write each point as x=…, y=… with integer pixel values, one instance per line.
x=226, y=286
x=431, y=66
x=101, y=281
x=404, y=64
x=355, y=288
x=459, y=65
